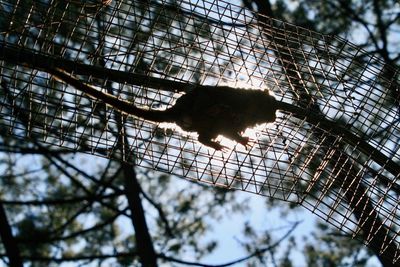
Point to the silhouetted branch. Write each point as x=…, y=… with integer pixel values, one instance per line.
x=256, y=253
x=8, y=240
x=61, y=201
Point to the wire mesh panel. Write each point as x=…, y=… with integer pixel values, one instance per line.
x=125, y=48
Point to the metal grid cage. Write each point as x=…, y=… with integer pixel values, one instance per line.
x=211, y=43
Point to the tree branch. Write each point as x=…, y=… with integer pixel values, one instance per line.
x=160, y=213
x=256, y=253
x=61, y=201
x=9, y=242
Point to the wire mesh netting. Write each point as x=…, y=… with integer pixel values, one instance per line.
x=126, y=47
